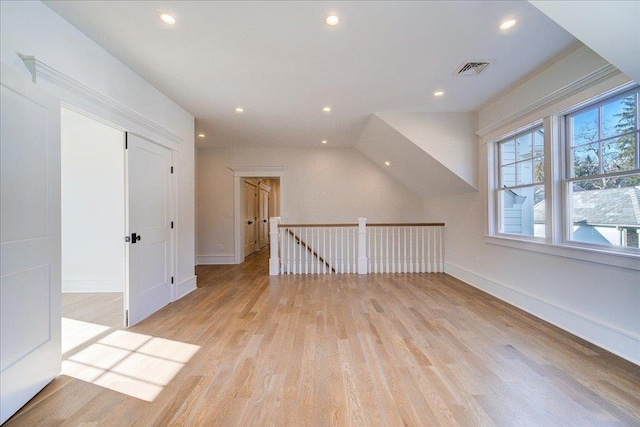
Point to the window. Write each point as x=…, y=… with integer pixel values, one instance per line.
x=602, y=180
x=520, y=192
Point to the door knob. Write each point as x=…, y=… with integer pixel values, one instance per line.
x=249, y=222
x=264, y=220
x=135, y=238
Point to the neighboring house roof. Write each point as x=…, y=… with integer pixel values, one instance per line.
x=613, y=206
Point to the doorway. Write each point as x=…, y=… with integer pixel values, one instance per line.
x=93, y=221
x=270, y=175
x=259, y=203
x=118, y=218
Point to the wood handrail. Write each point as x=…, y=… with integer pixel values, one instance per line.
x=418, y=224
x=399, y=224
x=315, y=225
x=315, y=254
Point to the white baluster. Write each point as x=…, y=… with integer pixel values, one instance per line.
x=362, y=246
x=441, y=263
x=422, y=269
x=329, y=261
x=348, y=250
x=429, y=249
x=411, y=250
x=274, y=258
x=282, y=252
x=393, y=245
x=369, y=253
x=386, y=251
x=341, y=250
x=314, y=238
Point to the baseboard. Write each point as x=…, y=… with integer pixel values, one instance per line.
x=215, y=259
x=71, y=286
x=623, y=343
x=185, y=287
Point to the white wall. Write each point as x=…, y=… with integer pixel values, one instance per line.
x=447, y=137
x=598, y=302
x=609, y=27
x=323, y=185
x=93, y=224
x=31, y=28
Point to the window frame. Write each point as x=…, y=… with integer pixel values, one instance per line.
x=567, y=179
x=556, y=168
x=499, y=188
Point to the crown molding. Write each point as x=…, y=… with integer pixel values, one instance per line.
x=42, y=71
x=603, y=74
x=258, y=171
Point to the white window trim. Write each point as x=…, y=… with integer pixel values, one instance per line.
x=595, y=255
x=555, y=243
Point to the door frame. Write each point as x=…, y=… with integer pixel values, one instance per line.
x=239, y=174
x=82, y=99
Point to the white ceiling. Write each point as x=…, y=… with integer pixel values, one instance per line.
x=283, y=65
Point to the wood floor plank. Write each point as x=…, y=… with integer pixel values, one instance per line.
x=379, y=350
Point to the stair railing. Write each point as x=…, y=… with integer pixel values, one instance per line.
x=356, y=248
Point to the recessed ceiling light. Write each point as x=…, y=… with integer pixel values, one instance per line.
x=438, y=93
x=332, y=20
x=201, y=135
x=239, y=110
x=324, y=141
x=326, y=109
x=507, y=24
x=167, y=19
x=387, y=162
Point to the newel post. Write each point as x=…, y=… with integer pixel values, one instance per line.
x=362, y=246
x=274, y=259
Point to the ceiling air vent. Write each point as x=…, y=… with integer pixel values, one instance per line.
x=471, y=68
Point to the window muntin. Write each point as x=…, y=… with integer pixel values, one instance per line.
x=602, y=182
x=521, y=184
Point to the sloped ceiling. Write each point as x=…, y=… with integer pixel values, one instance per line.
x=610, y=28
x=410, y=164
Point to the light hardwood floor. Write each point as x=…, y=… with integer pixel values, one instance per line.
x=382, y=350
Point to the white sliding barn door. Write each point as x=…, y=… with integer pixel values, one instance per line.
x=30, y=346
x=149, y=190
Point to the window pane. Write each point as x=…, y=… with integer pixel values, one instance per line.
x=585, y=160
x=619, y=154
x=585, y=127
x=524, y=146
x=523, y=211
x=606, y=211
x=538, y=143
x=618, y=117
x=507, y=152
x=525, y=172
x=538, y=169
x=508, y=175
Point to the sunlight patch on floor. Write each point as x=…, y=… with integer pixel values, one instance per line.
x=75, y=333
x=135, y=364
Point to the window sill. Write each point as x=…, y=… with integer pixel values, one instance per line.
x=616, y=259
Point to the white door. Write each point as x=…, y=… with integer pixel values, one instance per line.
x=149, y=191
x=30, y=295
x=250, y=196
x=263, y=218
